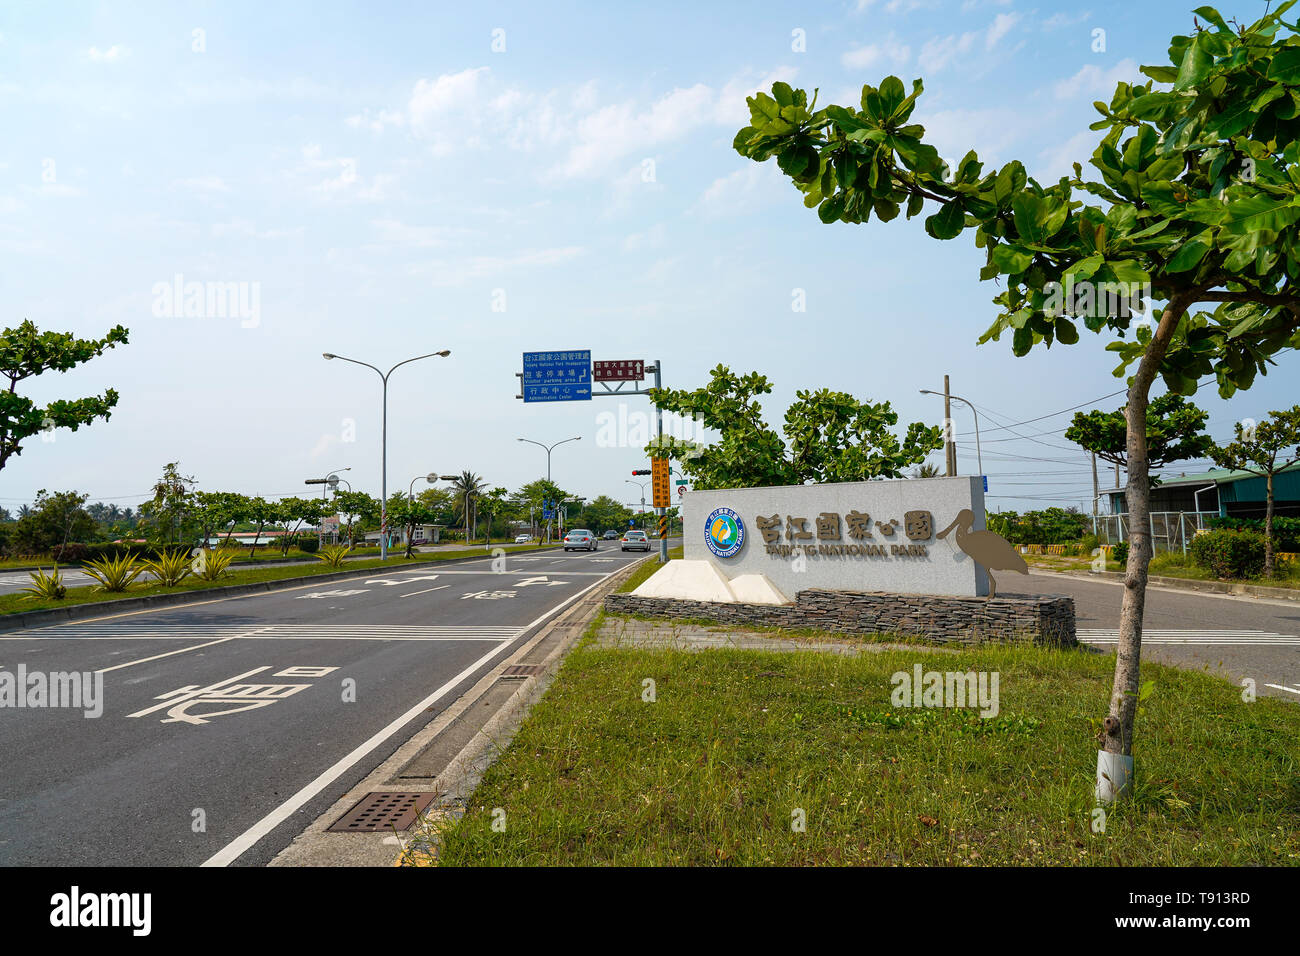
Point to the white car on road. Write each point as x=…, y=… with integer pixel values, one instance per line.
x=580, y=538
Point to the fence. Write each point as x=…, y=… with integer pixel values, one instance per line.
x=1170, y=530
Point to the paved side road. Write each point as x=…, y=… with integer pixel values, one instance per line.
x=1238, y=637
x=229, y=724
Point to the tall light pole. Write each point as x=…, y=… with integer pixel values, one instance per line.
x=383, y=481
x=641, y=484
x=948, y=396
x=549, y=449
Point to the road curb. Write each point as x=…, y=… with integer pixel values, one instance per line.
x=1186, y=584
x=22, y=620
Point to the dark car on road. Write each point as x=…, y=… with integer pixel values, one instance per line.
x=609, y=536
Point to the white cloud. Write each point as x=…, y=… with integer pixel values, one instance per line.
x=400, y=233
x=247, y=229
x=890, y=49
x=939, y=52
x=652, y=238
x=741, y=191
x=204, y=184
x=1058, y=20
x=376, y=122
x=1094, y=82
x=1000, y=27
x=456, y=272
x=1057, y=161
x=114, y=54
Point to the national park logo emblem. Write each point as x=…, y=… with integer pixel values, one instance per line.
x=724, y=532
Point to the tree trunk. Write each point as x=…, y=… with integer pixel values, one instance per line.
x=1268, y=530
x=1115, y=762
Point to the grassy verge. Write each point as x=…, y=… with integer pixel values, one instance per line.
x=647, y=568
x=739, y=743
x=15, y=603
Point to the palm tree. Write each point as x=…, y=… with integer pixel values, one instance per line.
x=25, y=511
x=468, y=487
x=927, y=470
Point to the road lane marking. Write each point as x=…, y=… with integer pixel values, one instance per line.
x=1293, y=690
x=425, y=591
x=1193, y=637
x=156, y=657
x=254, y=834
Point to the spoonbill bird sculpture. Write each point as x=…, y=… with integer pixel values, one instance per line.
x=992, y=551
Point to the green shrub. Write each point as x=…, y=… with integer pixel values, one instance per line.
x=114, y=574
x=47, y=586
x=1120, y=553
x=70, y=553
x=1088, y=544
x=308, y=545
x=1228, y=553
x=170, y=568
x=1286, y=531
x=333, y=555
x=210, y=565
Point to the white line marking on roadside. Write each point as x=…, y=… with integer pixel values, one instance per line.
x=254, y=834
x=1283, y=687
x=156, y=657
x=425, y=591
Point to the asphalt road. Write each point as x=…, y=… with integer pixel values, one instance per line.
x=231, y=724
x=1237, y=637
x=11, y=581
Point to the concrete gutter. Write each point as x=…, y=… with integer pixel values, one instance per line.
x=21, y=620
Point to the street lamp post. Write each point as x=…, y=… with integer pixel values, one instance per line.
x=431, y=477
x=383, y=485
x=641, y=484
x=979, y=455
x=549, y=449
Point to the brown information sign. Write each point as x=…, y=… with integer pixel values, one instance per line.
x=623, y=370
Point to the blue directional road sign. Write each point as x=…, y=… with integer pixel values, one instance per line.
x=557, y=376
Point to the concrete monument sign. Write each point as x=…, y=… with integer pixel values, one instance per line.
x=911, y=536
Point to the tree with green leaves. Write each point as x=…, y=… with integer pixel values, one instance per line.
x=1264, y=449
x=832, y=436
x=355, y=506
x=1197, y=202
x=407, y=513
x=261, y=513
x=1175, y=432
x=494, y=505
x=218, y=509
x=604, y=513
x=26, y=352
x=171, y=510
x=467, y=487
x=53, y=521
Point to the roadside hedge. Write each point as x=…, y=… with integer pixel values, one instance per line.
x=1230, y=553
x=1286, y=531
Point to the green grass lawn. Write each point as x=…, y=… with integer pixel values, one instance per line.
x=14, y=603
x=738, y=742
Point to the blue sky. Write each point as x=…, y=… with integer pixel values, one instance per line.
x=386, y=183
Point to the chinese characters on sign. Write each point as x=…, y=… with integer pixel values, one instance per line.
x=829, y=528
x=659, y=481
x=556, y=376
x=628, y=370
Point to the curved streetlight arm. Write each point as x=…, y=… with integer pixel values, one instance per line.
x=979, y=456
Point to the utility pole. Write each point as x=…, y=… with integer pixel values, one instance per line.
x=659, y=425
x=949, y=442
x=1096, y=489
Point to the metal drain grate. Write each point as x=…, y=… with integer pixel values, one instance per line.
x=521, y=671
x=382, y=811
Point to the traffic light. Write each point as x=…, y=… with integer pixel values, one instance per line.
x=642, y=471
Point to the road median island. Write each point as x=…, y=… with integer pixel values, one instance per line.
x=1199, y=585
x=655, y=750
x=18, y=611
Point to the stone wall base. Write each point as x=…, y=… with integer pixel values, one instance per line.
x=1041, y=619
